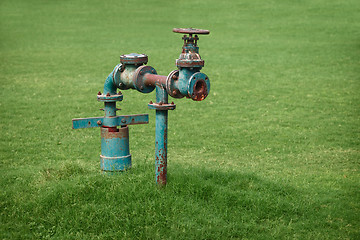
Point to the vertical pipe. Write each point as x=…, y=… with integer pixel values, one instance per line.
x=115, y=155
x=161, y=137
x=110, y=109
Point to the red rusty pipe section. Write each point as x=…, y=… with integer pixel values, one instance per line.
x=154, y=79
x=112, y=129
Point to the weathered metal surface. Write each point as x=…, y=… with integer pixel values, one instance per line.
x=92, y=122
x=172, y=87
x=162, y=106
x=189, y=81
x=110, y=109
x=154, y=79
x=190, y=56
x=115, y=155
x=110, y=121
x=139, y=79
x=184, y=78
x=109, y=86
x=109, y=98
x=190, y=61
x=123, y=76
x=191, y=31
x=161, y=128
x=199, y=86
x=134, y=58
x=133, y=119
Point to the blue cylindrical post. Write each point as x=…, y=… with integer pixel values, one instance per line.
x=115, y=155
x=161, y=137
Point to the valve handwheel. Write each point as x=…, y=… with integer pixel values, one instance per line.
x=191, y=31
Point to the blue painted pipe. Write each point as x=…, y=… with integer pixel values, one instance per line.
x=161, y=129
x=115, y=154
x=109, y=86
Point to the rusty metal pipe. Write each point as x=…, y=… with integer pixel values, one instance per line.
x=161, y=129
x=154, y=79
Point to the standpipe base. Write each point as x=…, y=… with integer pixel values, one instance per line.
x=115, y=164
x=115, y=155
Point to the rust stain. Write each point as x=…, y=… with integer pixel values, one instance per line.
x=199, y=91
x=113, y=129
x=114, y=132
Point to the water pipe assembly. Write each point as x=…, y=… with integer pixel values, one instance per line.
x=133, y=73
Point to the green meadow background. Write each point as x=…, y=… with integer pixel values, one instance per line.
x=271, y=153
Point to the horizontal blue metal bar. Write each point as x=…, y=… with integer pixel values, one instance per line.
x=87, y=122
x=133, y=119
x=115, y=121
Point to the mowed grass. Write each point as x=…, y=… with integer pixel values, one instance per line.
x=272, y=153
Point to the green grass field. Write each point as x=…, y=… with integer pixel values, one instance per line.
x=272, y=153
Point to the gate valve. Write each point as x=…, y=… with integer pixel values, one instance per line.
x=188, y=80
x=190, y=51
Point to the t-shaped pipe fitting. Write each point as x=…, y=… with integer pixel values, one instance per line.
x=187, y=81
x=123, y=74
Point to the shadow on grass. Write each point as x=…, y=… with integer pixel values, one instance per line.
x=197, y=203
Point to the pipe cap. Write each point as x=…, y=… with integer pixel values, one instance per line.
x=134, y=58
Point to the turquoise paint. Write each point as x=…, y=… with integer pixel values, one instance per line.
x=187, y=81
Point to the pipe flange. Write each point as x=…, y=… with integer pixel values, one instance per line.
x=171, y=83
x=162, y=106
x=109, y=98
x=134, y=58
x=197, y=63
x=139, y=79
x=199, y=86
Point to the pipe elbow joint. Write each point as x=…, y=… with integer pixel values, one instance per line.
x=109, y=85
